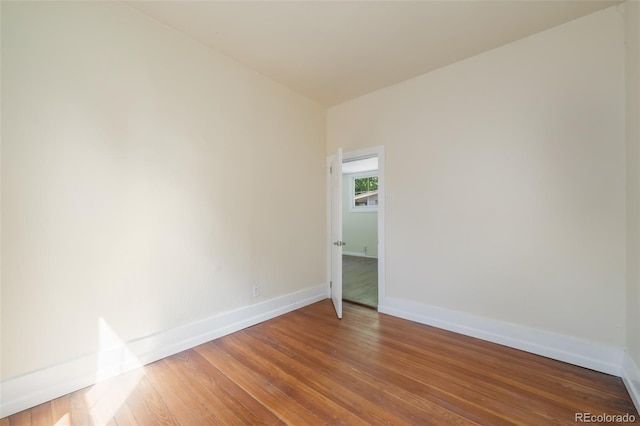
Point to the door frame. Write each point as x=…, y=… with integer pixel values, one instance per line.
x=352, y=155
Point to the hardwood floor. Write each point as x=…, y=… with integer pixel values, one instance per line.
x=360, y=280
x=308, y=368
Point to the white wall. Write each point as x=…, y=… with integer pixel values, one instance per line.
x=506, y=183
x=359, y=229
x=1, y=97
x=142, y=182
x=633, y=195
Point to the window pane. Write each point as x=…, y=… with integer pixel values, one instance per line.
x=365, y=191
x=373, y=183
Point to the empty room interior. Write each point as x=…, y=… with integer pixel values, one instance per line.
x=319, y=212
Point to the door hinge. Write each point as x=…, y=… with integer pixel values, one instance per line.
x=330, y=284
x=330, y=169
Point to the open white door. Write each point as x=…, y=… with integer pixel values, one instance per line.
x=336, y=232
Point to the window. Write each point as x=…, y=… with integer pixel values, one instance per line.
x=364, y=192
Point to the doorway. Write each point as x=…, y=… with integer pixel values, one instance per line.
x=358, y=192
x=360, y=202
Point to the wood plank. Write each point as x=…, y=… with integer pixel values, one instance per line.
x=123, y=416
x=257, y=386
x=252, y=357
x=232, y=396
x=441, y=374
x=390, y=398
x=147, y=405
x=568, y=410
x=459, y=388
x=60, y=411
x=307, y=367
x=374, y=377
x=79, y=412
x=41, y=415
x=101, y=403
x=179, y=400
x=110, y=398
x=207, y=402
x=106, y=399
x=342, y=388
x=510, y=360
x=22, y=418
x=525, y=367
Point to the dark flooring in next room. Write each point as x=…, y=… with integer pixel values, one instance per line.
x=360, y=280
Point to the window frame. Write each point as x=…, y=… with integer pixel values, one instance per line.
x=352, y=189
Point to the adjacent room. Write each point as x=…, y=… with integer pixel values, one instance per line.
x=319, y=212
x=360, y=229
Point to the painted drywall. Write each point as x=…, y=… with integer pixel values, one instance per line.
x=0, y=202
x=359, y=229
x=142, y=182
x=505, y=181
x=633, y=178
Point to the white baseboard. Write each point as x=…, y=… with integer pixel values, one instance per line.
x=599, y=357
x=631, y=379
x=356, y=254
x=43, y=385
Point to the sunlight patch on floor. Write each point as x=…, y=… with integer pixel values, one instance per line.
x=104, y=399
x=63, y=421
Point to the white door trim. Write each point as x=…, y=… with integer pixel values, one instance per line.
x=328, y=242
x=336, y=232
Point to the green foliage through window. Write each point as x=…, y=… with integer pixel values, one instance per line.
x=363, y=186
x=366, y=184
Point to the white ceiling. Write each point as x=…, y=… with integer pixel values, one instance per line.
x=333, y=51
